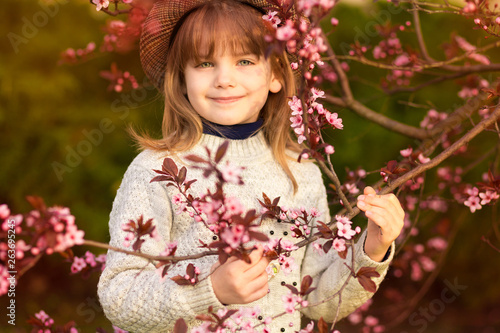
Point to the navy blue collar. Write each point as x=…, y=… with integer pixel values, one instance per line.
x=233, y=132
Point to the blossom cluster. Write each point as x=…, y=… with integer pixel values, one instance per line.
x=72, y=56
x=476, y=199
x=41, y=322
x=41, y=231
x=119, y=80
x=371, y=323
x=89, y=262
x=241, y=320
x=417, y=258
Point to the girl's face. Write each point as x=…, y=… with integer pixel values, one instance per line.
x=229, y=89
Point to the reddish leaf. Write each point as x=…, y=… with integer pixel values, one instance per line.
x=161, y=179
x=36, y=202
x=221, y=151
x=367, y=283
x=306, y=283
x=258, y=236
x=328, y=245
x=292, y=289
x=195, y=159
x=182, y=175
x=364, y=276
x=190, y=270
x=325, y=230
x=205, y=317
x=180, y=326
x=170, y=166
x=267, y=201
x=188, y=184
x=368, y=271
x=343, y=254
x=322, y=326
x=180, y=280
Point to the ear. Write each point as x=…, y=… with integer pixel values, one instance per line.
x=275, y=85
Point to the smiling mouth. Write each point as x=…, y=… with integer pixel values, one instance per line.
x=226, y=100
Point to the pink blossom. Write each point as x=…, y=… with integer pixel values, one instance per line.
x=479, y=58
x=295, y=105
x=287, y=264
x=334, y=120
x=177, y=199
x=472, y=191
x=233, y=236
x=231, y=173
x=4, y=282
x=464, y=45
x=473, y=203
x=437, y=243
x=402, y=60
x=100, y=4
x=318, y=248
x=78, y=265
x=488, y=196
x=316, y=93
x=416, y=271
x=422, y=159
x=427, y=264
x=290, y=300
x=285, y=32
x=4, y=211
x=272, y=17
x=339, y=244
x=116, y=329
x=406, y=152
x=343, y=219
x=329, y=149
x=233, y=206
x=344, y=230
x=371, y=321
x=288, y=245
x=296, y=121
x=355, y=317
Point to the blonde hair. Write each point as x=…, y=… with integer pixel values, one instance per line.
x=221, y=25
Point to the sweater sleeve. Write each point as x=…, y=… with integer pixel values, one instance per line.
x=329, y=273
x=131, y=291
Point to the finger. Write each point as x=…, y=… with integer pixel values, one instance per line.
x=369, y=190
x=257, y=288
x=388, y=201
x=258, y=269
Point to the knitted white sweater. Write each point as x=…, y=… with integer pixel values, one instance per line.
x=135, y=298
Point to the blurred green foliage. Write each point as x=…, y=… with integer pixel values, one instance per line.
x=48, y=111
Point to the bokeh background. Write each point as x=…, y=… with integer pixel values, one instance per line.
x=49, y=110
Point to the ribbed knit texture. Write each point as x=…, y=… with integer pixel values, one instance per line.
x=135, y=298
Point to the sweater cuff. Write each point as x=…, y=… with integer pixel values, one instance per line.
x=363, y=258
x=202, y=295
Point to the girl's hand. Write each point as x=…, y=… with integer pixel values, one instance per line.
x=237, y=282
x=385, y=221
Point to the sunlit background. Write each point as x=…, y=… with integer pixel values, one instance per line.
x=63, y=137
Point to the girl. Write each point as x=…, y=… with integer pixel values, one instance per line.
x=208, y=59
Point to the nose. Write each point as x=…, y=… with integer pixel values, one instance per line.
x=225, y=77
